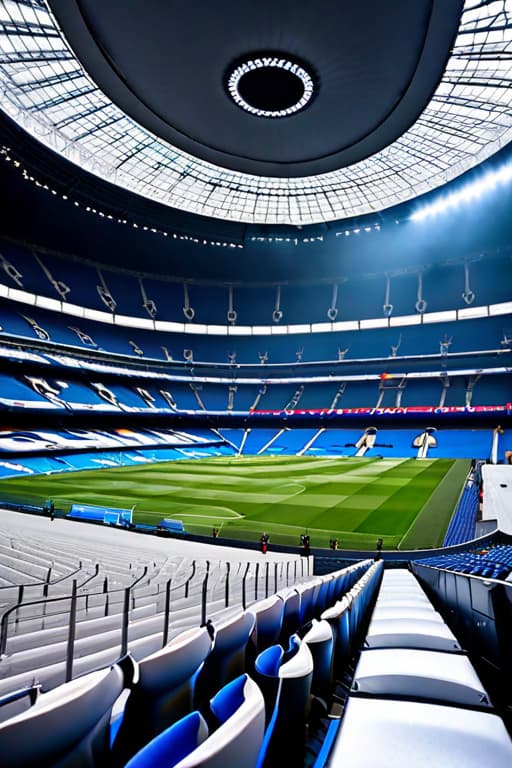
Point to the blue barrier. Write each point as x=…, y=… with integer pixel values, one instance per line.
x=167, y=525
x=107, y=515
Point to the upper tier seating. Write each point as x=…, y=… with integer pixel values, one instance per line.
x=42, y=381
x=81, y=283
x=29, y=322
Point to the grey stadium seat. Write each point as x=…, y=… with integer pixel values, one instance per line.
x=68, y=727
x=405, y=734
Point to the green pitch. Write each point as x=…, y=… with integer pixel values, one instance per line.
x=408, y=503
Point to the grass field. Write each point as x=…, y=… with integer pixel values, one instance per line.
x=406, y=502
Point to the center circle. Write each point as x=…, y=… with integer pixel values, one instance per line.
x=270, y=85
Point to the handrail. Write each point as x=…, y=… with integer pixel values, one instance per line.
x=204, y=593
x=244, y=593
x=90, y=578
x=167, y=612
x=71, y=635
x=45, y=581
x=256, y=578
x=226, y=593
x=186, y=585
x=125, y=611
x=4, y=619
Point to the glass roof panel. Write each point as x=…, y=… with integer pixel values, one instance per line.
x=45, y=89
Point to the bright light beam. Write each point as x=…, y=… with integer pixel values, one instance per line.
x=466, y=194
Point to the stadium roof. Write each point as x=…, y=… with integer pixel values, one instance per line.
x=311, y=112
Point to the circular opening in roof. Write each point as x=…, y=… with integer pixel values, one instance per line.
x=270, y=86
x=271, y=89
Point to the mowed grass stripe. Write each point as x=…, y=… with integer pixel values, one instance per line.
x=396, y=513
x=355, y=499
x=434, y=517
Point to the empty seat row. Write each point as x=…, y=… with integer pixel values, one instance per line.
x=38, y=645
x=415, y=698
x=36, y=637
x=193, y=669
x=462, y=525
x=288, y=676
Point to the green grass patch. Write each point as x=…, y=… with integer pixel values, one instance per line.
x=356, y=500
x=433, y=519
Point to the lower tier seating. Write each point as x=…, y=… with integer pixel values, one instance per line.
x=492, y=563
x=117, y=711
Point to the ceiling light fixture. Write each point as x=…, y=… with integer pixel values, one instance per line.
x=270, y=85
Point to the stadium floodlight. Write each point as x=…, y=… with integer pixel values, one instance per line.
x=466, y=194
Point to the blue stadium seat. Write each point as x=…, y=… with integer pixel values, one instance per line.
x=163, y=692
x=287, y=725
x=267, y=668
x=227, y=659
x=238, y=713
x=492, y=563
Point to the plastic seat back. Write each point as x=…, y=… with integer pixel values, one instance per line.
x=285, y=733
x=339, y=619
x=227, y=659
x=308, y=594
x=268, y=617
x=238, y=710
x=320, y=642
x=67, y=727
x=291, y=615
x=164, y=692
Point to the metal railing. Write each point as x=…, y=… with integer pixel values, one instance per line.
x=45, y=583
x=209, y=589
